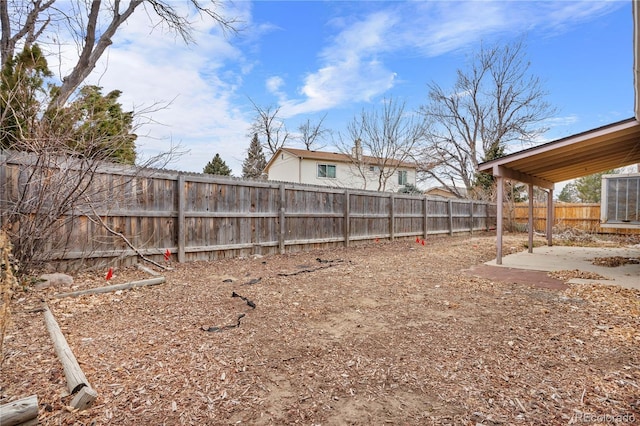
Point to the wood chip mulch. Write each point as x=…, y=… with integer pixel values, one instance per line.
x=381, y=333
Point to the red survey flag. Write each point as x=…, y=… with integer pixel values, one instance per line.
x=167, y=255
x=422, y=242
x=109, y=274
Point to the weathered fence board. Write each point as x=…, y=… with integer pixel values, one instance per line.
x=583, y=216
x=201, y=217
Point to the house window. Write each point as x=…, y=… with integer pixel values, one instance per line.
x=402, y=177
x=326, y=171
x=374, y=169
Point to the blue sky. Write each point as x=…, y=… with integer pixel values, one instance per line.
x=337, y=57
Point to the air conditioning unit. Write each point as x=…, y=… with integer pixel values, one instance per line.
x=620, y=205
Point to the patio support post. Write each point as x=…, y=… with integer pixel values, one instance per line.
x=550, y=217
x=530, y=218
x=499, y=202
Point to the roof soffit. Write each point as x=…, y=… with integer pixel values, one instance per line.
x=598, y=150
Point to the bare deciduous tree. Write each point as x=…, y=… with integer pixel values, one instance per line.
x=59, y=181
x=312, y=133
x=269, y=127
x=92, y=24
x=494, y=104
x=388, y=137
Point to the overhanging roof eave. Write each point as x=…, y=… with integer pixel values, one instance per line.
x=623, y=136
x=514, y=174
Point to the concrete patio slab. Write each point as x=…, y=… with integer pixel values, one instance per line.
x=561, y=258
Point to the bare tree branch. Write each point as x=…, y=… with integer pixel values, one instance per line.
x=493, y=105
x=30, y=30
x=25, y=21
x=269, y=127
x=92, y=50
x=311, y=133
x=98, y=220
x=388, y=136
x=60, y=180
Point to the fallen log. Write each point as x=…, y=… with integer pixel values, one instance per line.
x=116, y=287
x=84, y=398
x=148, y=270
x=76, y=380
x=21, y=412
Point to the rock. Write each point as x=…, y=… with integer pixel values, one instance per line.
x=54, y=280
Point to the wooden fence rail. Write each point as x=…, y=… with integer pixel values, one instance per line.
x=202, y=217
x=583, y=216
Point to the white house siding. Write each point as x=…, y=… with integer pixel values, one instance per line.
x=301, y=166
x=286, y=168
x=344, y=176
x=290, y=168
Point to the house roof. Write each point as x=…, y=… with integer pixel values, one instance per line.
x=443, y=189
x=605, y=148
x=333, y=156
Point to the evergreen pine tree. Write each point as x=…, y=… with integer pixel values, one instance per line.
x=484, y=183
x=22, y=84
x=255, y=163
x=217, y=166
x=588, y=188
x=569, y=193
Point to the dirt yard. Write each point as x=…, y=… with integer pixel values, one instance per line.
x=385, y=333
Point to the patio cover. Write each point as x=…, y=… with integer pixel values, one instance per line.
x=605, y=148
x=608, y=147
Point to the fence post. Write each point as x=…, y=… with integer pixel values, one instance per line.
x=450, y=208
x=426, y=217
x=487, y=216
x=181, y=219
x=283, y=228
x=392, y=216
x=3, y=189
x=347, y=219
x=471, y=217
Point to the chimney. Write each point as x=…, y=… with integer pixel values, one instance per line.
x=356, y=151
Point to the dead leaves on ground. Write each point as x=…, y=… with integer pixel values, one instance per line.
x=393, y=332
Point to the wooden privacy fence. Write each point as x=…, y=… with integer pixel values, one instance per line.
x=583, y=216
x=202, y=217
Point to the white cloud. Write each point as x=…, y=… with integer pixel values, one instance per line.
x=364, y=37
x=352, y=71
x=203, y=81
x=562, y=121
x=274, y=84
x=344, y=82
x=154, y=67
x=355, y=65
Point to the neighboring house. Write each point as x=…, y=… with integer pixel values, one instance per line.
x=441, y=191
x=337, y=170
